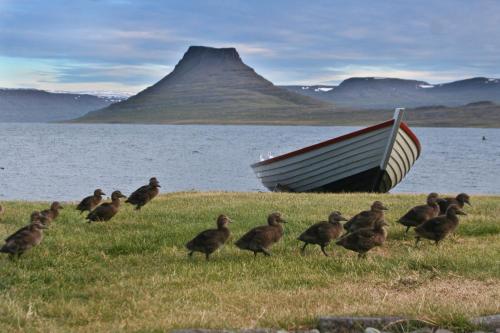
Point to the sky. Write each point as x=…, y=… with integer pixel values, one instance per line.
x=122, y=45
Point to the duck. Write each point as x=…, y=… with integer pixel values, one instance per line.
x=364, y=239
x=322, y=233
x=90, y=202
x=23, y=239
x=52, y=213
x=260, y=239
x=144, y=194
x=107, y=210
x=419, y=214
x=210, y=240
x=367, y=218
x=438, y=228
x=34, y=217
x=460, y=200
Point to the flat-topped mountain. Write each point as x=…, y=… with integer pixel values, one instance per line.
x=30, y=105
x=380, y=93
x=210, y=84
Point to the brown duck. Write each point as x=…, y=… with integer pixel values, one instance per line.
x=364, y=239
x=260, y=239
x=52, y=213
x=460, y=200
x=419, y=214
x=144, y=194
x=90, y=202
x=34, y=217
x=210, y=240
x=367, y=218
x=322, y=233
x=438, y=228
x=23, y=239
x=107, y=210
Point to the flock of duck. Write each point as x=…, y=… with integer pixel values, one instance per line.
x=361, y=233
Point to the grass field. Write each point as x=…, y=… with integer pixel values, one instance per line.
x=132, y=273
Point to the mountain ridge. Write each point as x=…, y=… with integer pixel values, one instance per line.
x=35, y=105
x=375, y=93
x=213, y=82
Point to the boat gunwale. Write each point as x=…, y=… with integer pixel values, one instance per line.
x=341, y=138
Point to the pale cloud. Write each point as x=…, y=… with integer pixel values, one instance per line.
x=135, y=43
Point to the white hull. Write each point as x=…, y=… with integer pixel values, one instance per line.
x=383, y=151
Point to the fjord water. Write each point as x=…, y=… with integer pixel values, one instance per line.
x=67, y=162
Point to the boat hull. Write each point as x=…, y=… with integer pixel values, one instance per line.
x=374, y=159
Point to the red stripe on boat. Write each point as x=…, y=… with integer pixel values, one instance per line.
x=336, y=140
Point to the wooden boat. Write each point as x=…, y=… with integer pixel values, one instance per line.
x=373, y=159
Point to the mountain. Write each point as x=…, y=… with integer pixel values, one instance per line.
x=210, y=85
x=383, y=93
x=315, y=91
x=30, y=105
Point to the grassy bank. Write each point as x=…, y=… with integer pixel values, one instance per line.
x=132, y=274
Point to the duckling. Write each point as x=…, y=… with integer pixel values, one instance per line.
x=438, y=228
x=261, y=238
x=364, y=239
x=419, y=214
x=144, y=194
x=34, y=217
x=367, y=218
x=210, y=240
x=52, y=213
x=23, y=239
x=322, y=233
x=90, y=202
x=460, y=200
x=107, y=210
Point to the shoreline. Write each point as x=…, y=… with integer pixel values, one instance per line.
x=238, y=193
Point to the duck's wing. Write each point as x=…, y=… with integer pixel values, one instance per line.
x=311, y=232
x=436, y=224
x=139, y=194
x=99, y=211
x=253, y=235
x=365, y=218
x=415, y=214
x=205, y=236
x=85, y=203
x=18, y=234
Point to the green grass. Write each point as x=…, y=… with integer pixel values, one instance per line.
x=133, y=274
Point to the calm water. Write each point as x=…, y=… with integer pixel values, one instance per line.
x=67, y=162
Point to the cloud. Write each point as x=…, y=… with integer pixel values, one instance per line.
x=132, y=43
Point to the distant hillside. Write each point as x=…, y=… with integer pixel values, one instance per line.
x=30, y=105
x=210, y=85
x=478, y=114
x=315, y=91
x=381, y=93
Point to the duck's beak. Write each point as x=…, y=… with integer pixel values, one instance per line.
x=468, y=202
x=461, y=212
x=283, y=221
x=343, y=219
x=385, y=208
